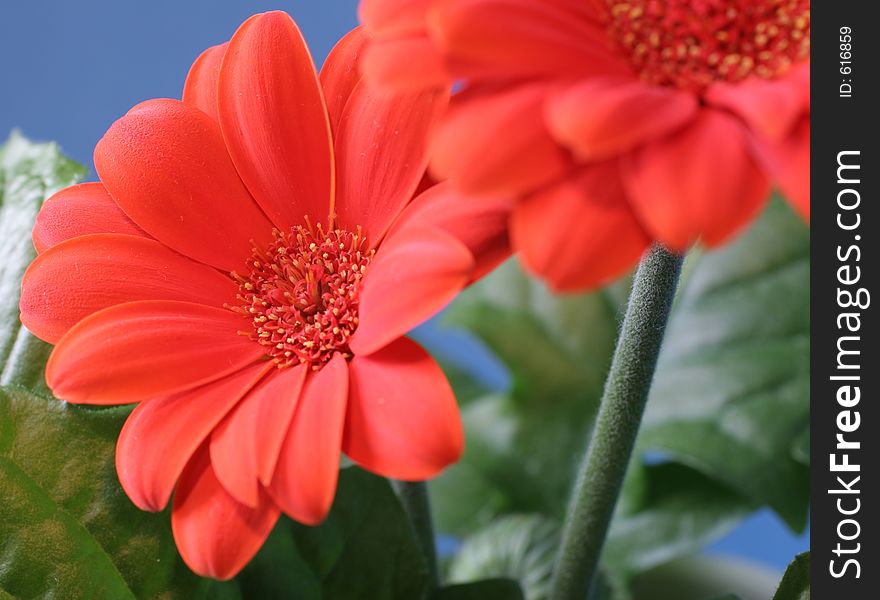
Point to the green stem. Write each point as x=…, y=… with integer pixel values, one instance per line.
x=414, y=497
x=617, y=425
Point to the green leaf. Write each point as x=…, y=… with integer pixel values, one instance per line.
x=795, y=584
x=366, y=548
x=731, y=393
x=29, y=173
x=67, y=530
x=488, y=589
x=675, y=512
x=519, y=547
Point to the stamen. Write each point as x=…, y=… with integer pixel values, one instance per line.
x=690, y=44
x=300, y=299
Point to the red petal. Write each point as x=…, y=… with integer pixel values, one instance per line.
x=414, y=275
x=200, y=88
x=304, y=483
x=596, y=120
x=789, y=162
x=80, y=210
x=580, y=233
x=160, y=436
x=700, y=182
x=393, y=17
x=771, y=107
x=141, y=350
x=275, y=121
x=341, y=73
x=83, y=275
x=480, y=224
x=216, y=535
x=497, y=143
x=166, y=166
x=509, y=39
x=410, y=63
x=245, y=447
x=402, y=419
x=381, y=152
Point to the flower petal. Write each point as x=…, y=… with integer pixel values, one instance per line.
x=161, y=435
x=595, y=118
x=497, y=143
x=341, y=73
x=80, y=210
x=245, y=447
x=215, y=534
x=406, y=64
x=140, y=350
x=200, y=88
x=381, y=151
x=771, y=107
x=414, y=275
x=789, y=163
x=275, y=121
x=402, y=419
x=480, y=224
x=166, y=166
x=304, y=483
x=509, y=39
x=83, y=275
x=700, y=182
x=393, y=17
x=580, y=233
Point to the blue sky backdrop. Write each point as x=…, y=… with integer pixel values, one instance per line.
x=69, y=69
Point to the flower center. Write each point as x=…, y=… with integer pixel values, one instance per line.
x=692, y=43
x=301, y=295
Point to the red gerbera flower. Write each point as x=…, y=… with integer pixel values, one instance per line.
x=246, y=269
x=614, y=123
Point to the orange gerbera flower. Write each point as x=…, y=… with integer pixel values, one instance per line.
x=614, y=123
x=246, y=269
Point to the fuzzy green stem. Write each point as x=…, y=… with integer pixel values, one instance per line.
x=617, y=425
x=414, y=497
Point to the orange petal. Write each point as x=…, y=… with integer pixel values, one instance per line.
x=140, y=350
x=304, y=483
x=595, y=118
x=402, y=419
x=83, y=275
x=496, y=142
x=341, y=73
x=699, y=183
x=393, y=17
x=275, y=121
x=414, y=275
x=580, y=233
x=200, y=88
x=166, y=166
x=517, y=39
x=80, y=210
x=479, y=223
x=161, y=435
x=789, y=163
x=215, y=534
x=245, y=447
x=406, y=64
x=381, y=154
x=771, y=107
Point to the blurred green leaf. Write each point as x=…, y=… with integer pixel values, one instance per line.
x=29, y=173
x=488, y=589
x=366, y=548
x=675, y=512
x=731, y=393
x=795, y=584
x=519, y=547
x=67, y=530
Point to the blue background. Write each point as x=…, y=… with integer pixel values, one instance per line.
x=69, y=69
